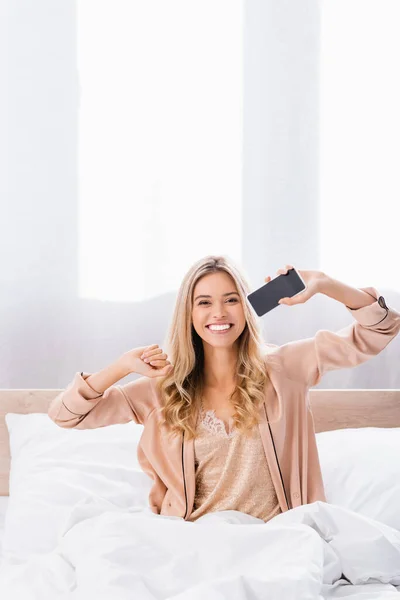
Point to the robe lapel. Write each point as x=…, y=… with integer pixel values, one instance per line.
x=189, y=474
x=271, y=457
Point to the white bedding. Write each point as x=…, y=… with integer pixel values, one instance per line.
x=3, y=507
x=77, y=525
x=105, y=552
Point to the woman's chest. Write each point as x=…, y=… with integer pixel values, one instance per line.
x=219, y=404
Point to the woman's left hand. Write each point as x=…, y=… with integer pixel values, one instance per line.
x=312, y=279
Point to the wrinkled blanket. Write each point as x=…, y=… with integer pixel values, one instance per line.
x=314, y=551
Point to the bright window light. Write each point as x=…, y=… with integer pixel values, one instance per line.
x=160, y=141
x=360, y=132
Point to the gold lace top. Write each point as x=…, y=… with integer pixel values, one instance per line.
x=232, y=472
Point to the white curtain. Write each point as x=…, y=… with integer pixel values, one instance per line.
x=143, y=135
x=161, y=120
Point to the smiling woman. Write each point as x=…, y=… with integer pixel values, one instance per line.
x=221, y=362
x=215, y=394
x=222, y=311
x=229, y=427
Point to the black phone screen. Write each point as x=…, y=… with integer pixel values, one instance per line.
x=284, y=286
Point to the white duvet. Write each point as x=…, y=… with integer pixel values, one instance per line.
x=108, y=553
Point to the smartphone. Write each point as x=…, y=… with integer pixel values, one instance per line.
x=284, y=286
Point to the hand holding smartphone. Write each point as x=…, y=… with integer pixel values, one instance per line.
x=267, y=297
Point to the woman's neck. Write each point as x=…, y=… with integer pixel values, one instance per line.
x=220, y=369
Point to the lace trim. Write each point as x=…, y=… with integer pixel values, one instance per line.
x=210, y=422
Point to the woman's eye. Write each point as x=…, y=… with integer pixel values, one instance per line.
x=205, y=301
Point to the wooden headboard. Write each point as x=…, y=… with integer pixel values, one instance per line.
x=332, y=409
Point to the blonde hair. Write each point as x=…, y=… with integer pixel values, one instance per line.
x=182, y=388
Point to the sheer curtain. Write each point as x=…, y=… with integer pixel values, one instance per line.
x=160, y=142
x=145, y=135
x=359, y=156
x=359, y=140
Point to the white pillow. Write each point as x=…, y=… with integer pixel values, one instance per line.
x=52, y=469
x=361, y=471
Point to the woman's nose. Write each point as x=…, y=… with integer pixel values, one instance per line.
x=220, y=314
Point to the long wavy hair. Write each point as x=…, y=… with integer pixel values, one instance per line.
x=182, y=389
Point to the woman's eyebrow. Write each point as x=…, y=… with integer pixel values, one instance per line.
x=206, y=296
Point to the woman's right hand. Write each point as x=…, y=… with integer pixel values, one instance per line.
x=150, y=361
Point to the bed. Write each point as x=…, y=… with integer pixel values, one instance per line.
x=361, y=412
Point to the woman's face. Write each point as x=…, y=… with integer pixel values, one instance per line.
x=221, y=304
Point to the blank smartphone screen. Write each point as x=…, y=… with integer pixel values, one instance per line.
x=284, y=286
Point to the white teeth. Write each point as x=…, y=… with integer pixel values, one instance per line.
x=219, y=327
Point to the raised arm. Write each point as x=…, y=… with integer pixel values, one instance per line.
x=375, y=326
x=92, y=400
